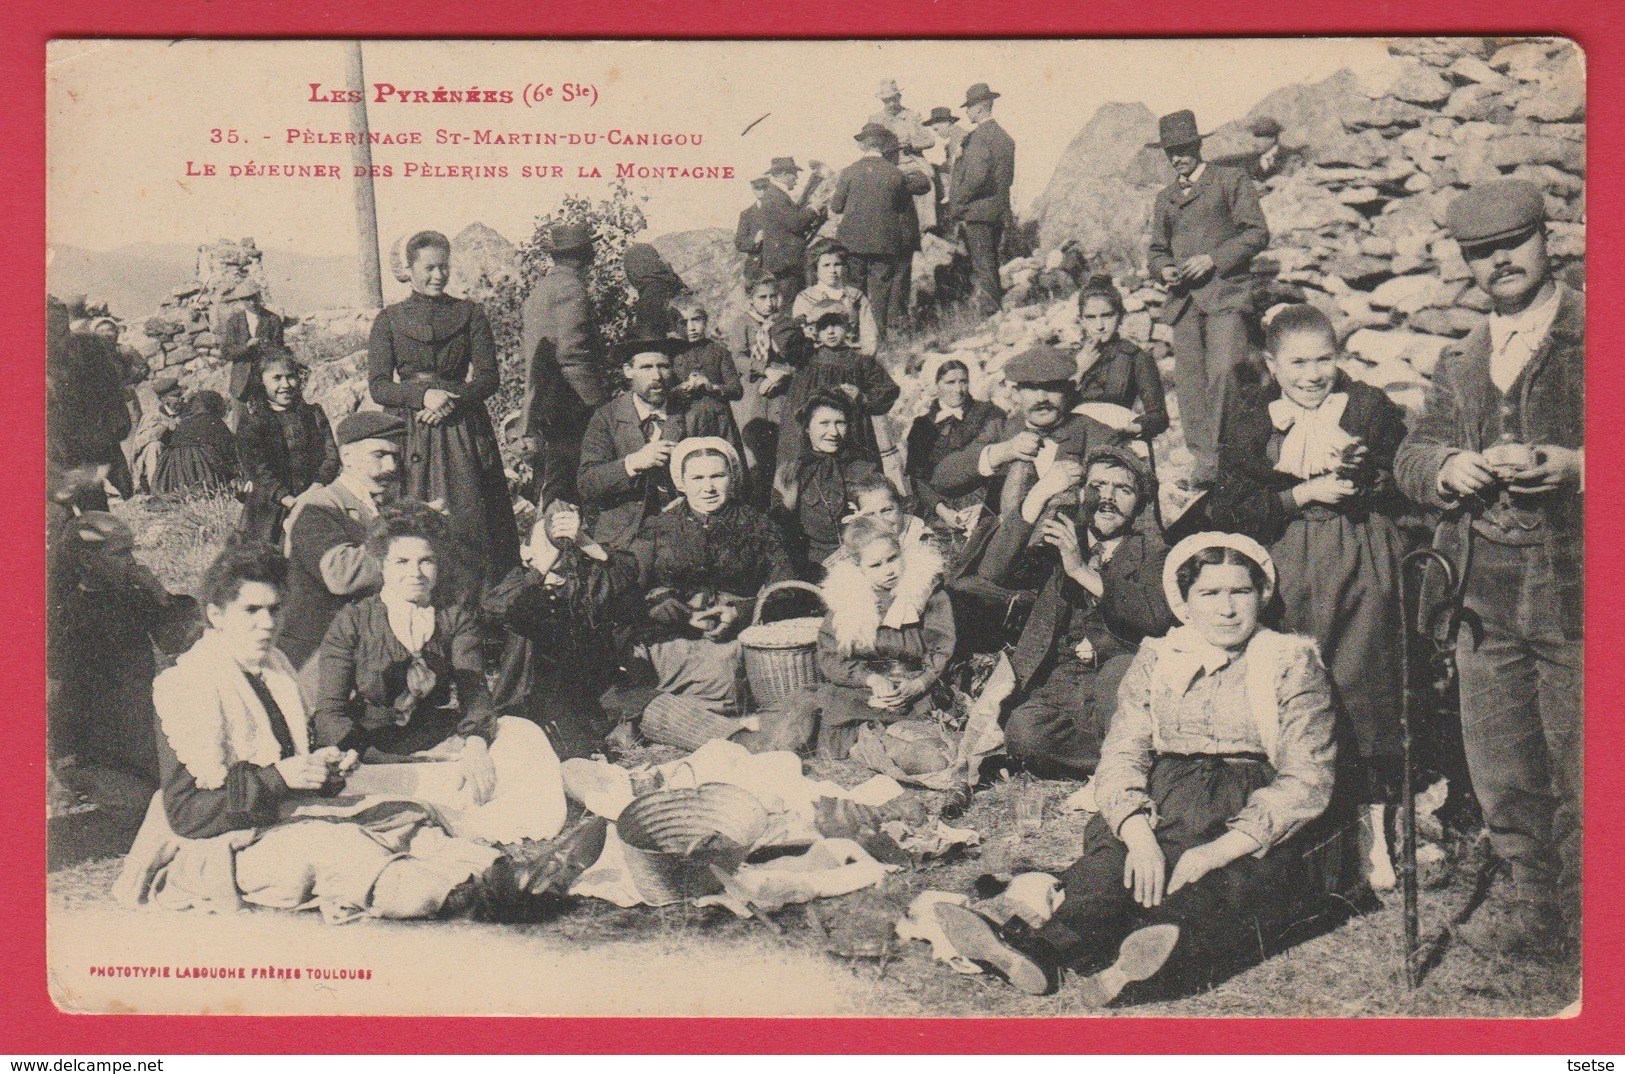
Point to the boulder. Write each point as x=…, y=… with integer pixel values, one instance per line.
x=1384, y=350
x=1302, y=206
x=481, y=259
x=1401, y=290
x=1511, y=150
x=1445, y=322
x=1103, y=186
x=1472, y=70
x=1560, y=100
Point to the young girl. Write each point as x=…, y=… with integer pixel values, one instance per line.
x=1113, y=370
x=704, y=368
x=886, y=639
x=1306, y=467
x=835, y=367
x=285, y=446
x=829, y=285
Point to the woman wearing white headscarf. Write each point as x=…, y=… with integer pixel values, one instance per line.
x=1220, y=753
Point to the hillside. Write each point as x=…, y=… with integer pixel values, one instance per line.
x=135, y=279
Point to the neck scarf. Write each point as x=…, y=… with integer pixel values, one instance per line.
x=1315, y=440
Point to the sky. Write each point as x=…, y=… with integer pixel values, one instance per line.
x=126, y=117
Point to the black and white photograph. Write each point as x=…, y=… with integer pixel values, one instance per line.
x=887, y=529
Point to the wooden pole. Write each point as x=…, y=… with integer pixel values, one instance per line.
x=366, y=206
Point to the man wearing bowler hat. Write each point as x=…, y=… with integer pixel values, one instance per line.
x=979, y=194
x=561, y=348
x=783, y=226
x=1206, y=228
x=247, y=331
x=1500, y=449
x=328, y=564
x=879, y=228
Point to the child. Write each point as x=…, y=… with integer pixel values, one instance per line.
x=835, y=367
x=1306, y=467
x=885, y=641
x=703, y=367
x=875, y=497
x=1113, y=370
x=285, y=446
x=767, y=346
x=829, y=274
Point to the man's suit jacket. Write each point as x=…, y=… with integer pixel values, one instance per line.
x=242, y=347
x=560, y=346
x=622, y=502
x=785, y=227
x=328, y=567
x=876, y=201
x=1218, y=216
x=959, y=474
x=746, y=242
x=979, y=188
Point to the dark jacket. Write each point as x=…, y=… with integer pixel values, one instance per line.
x=244, y=348
x=1125, y=374
x=328, y=567
x=979, y=188
x=930, y=441
x=657, y=284
x=823, y=486
x=1463, y=413
x=363, y=696
x=733, y=552
x=85, y=412
x=282, y=455
x=621, y=501
x=825, y=370
x=957, y=474
x=784, y=226
x=746, y=242
x=1254, y=498
x=560, y=347
x=710, y=358
x=1219, y=217
x=876, y=201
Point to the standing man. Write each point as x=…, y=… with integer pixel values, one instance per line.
x=328, y=565
x=627, y=446
x=248, y=331
x=748, y=235
x=1206, y=228
x=560, y=345
x=1500, y=448
x=913, y=139
x=979, y=194
x=785, y=225
x=879, y=227
x=945, y=128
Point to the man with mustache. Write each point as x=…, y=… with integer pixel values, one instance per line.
x=1500, y=449
x=328, y=564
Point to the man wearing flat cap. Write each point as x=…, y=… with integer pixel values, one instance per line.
x=328, y=565
x=245, y=332
x=153, y=433
x=1206, y=228
x=783, y=225
x=628, y=443
x=979, y=194
x=1500, y=449
x=561, y=348
x=879, y=228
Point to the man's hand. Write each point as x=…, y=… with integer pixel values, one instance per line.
x=1466, y=473
x=1555, y=467
x=651, y=456
x=1170, y=276
x=1197, y=267
x=1145, y=870
x=1062, y=534
x=1024, y=445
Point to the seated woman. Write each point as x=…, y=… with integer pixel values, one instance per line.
x=884, y=643
x=199, y=455
x=402, y=682
x=248, y=812
x=702, y=561
x=815, y=491
x=1220, y=753
x=567, y=614
x=953, y=421
x=285, y=446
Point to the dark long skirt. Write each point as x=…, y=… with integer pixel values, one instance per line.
x=189, y=468
x=1226, y=919
x=458, y=464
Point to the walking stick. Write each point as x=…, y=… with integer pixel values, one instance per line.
x=1408, y=881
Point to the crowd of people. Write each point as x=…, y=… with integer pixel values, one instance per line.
x=1227, y=684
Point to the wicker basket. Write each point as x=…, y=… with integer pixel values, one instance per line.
x=780, y=657
x=672, y=837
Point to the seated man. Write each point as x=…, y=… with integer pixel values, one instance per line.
x=1102, y=597
x=627, y=446
x=328, y=564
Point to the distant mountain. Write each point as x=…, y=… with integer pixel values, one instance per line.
x=134, y=279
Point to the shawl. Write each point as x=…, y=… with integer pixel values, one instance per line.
x=1183, y=653
x=854, y=610
x=1315, y=439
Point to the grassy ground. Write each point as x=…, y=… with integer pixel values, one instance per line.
x=595, y=958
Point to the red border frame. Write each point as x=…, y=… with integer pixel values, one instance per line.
x=30, y=1023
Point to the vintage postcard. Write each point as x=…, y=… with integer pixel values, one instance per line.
x=1029, y=528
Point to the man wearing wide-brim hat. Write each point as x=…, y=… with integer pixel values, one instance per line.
x=979, y=194
x=248, y=330
x=783, y=225
x=879, y=228
x=1499, y=448
x=1206, y=228
x=561, y=348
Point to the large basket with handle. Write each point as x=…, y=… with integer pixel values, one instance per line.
x=782, y=656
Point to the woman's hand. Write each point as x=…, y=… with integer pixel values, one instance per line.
x=696, y=382
x=726, y=616
x=478, y=776
x=302, y=772
x=1145, y=870
x=1198, y=861
x=882, y=691
x=437, y=406
x=1329, y=489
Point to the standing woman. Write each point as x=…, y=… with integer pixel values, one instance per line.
x=1113, y=370
x=432, y=359
x=954, y=420
x=285, y=446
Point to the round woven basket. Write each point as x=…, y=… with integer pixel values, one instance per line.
x=780, y=657
x=673, y=836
